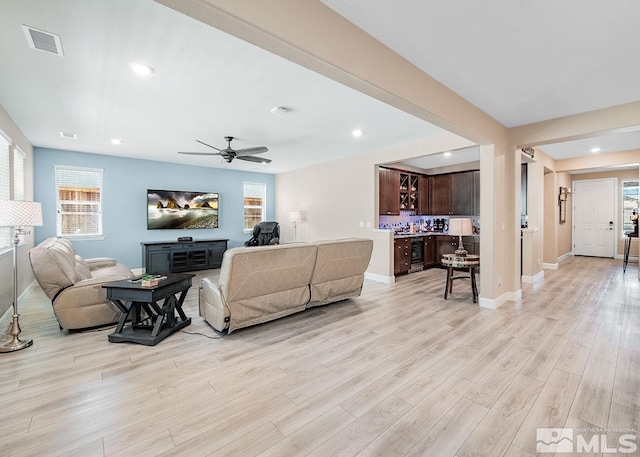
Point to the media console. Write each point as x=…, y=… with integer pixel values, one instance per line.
x=174, y=257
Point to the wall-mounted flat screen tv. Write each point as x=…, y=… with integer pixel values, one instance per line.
x=173, y=209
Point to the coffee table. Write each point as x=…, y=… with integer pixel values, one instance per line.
x=149, y=314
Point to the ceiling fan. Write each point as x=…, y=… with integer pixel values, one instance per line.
x=229, y=154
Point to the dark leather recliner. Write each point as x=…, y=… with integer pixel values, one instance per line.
x=265, y=233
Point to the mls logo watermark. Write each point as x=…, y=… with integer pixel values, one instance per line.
x=586, y=440
x=551, y=440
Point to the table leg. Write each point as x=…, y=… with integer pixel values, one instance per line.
x=449, y=281
x=474, y=288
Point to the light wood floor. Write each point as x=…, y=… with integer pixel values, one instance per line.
x=399, y=371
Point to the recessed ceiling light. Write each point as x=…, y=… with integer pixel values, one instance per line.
x=280, y=110
x=447, y=154
x=357, y=133
x=116, y=141
x=141, y=69
x=69, y=136
x=595, y=150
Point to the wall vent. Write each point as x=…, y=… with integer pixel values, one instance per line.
x=69, y=136
x=43, y=41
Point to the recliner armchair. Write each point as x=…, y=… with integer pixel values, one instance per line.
x=74, y=285
x=265, y=233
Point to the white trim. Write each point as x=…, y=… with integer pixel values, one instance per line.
x=379, y=278
x=494, y=303
x=632, y=258
x=532, y=279
x=565, y=256
x=550, y=266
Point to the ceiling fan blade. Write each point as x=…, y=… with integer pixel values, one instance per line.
x=200, y=153
x=250, y=151
x=202, y=142
x=253, y=159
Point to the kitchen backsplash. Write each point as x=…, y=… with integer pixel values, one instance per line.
x=402, y=223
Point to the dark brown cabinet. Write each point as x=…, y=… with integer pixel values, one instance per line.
x=424, y=202
x=389, y=185
x=455, y=194
x=402, y=255
x=440, y=194
x=476, y=193
x=462, y=193
x=429, y=255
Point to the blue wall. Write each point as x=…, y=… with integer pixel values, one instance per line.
x=125, y=184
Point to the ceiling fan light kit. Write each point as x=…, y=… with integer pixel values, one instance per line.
x=229, y=154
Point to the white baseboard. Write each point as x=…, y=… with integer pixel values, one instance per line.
x=632, y=258
x=534, y=278
x=550, y=266
x=380, y=278
x=565, y=256
x=494, y=303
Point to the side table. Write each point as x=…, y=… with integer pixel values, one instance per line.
x=149, y=320
x=468, y=263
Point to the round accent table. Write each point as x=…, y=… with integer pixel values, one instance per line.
x=467, y=263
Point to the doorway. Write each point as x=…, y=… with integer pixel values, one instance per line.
x=595, y=210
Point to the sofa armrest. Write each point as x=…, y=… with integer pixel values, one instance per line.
x=212, y=305
x=100, y=262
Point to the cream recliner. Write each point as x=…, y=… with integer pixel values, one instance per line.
x=74, y=285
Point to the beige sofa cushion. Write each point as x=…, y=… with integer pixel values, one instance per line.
x=265, y=282
x=339, y=271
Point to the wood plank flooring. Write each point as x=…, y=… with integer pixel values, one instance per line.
x=397, y=372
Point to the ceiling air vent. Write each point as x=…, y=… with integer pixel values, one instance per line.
x=43, y=41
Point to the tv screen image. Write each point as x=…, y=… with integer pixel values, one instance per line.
x=172, y=209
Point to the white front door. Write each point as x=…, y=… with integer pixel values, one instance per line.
x=594, y=221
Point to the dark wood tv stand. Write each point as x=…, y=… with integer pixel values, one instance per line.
x=175, y=256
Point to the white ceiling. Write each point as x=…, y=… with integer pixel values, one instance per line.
x=520, y=62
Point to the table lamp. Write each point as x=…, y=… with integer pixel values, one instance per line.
x=18, y=214
x=460, y=227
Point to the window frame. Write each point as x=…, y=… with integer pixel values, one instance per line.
x=263, y=207
x=627, y=225
x=77, y=181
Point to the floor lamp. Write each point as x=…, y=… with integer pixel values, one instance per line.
x=18, y=214
x=295, y=217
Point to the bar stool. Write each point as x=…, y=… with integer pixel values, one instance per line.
x=627, y=248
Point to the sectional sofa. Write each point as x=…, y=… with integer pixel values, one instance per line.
x=259, y=284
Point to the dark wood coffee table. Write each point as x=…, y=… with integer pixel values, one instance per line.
x=145, y=320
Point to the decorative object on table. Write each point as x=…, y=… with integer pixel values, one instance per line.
x=295, y=217
x=562, y=203
x=18, y=214
x=460, y=227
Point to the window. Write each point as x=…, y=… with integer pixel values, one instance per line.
x=5, y=187
x=255, y=196
x=18, y=174
x=78, y=202
x=629, y=203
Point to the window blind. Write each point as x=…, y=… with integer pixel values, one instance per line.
x=255, y=196
x=78, y=202
x=5, y=186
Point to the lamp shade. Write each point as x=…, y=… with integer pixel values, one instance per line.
x=295, y=216
x=19, y=213
x=460, y=226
